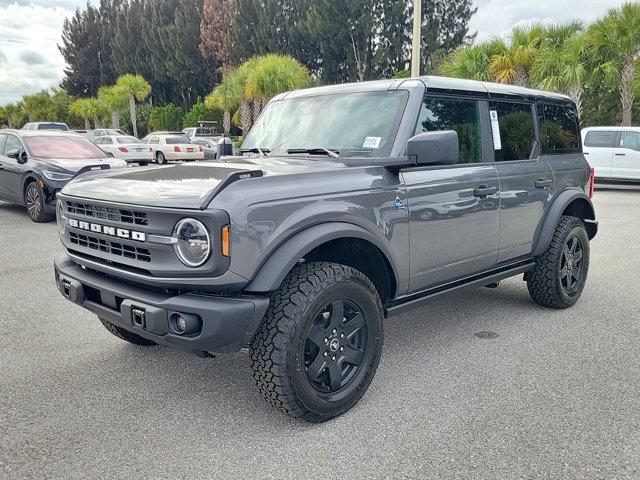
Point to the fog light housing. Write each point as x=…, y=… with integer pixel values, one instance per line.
x=185, y=323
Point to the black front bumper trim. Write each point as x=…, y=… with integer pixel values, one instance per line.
x=228, y=322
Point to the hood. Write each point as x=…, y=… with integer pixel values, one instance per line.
x=186, y=185
x=75, y=164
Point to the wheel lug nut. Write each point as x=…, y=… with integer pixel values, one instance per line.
x=333, y=359
x=334, y=330
x=342, y=349
x=342, y=335
x=326, y=340
x=325, y=354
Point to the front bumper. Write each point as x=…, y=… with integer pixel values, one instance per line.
x=227, y=323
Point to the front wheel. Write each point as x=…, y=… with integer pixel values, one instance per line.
x=34, y=201
x=160, y=158
x=320, y=342
x=561, y=271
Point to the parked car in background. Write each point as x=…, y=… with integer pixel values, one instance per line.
x=210, y=146
x=125, y=147
x=171, y=146
x=614, y=152
x=35, y=165
x=204, y=129
x=46, y=126
x=101, y=132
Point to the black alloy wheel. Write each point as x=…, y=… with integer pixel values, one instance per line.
x=33, y=200
x=571, y=265
x=335, y=345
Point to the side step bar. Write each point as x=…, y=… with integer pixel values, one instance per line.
x=415, y=300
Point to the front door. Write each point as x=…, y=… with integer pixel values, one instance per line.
x=453, y=210
x=598, y=150
x=626, y=157
x=12, y=170
x=526, y=179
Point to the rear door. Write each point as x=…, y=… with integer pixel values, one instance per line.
x=4, y=191
x=598, y=150
x=453, y=209
x=626, y=157
x=526, y=180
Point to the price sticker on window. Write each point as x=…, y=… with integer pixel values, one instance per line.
x=495, y=130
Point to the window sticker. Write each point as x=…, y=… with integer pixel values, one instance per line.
x=495, y=130
x=371, y=142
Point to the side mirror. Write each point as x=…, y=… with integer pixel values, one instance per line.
x=19, y=154
x=434, y=148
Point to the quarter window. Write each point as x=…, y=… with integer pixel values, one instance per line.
x=461, y=115
x=600, y=139
x=630, y=140
x=559, y=129
x=517, y=134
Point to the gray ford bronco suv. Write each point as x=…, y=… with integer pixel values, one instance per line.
x=348, y=204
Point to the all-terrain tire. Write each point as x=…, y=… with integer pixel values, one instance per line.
x=278, y=351
x=125, y=335
x=545, y=281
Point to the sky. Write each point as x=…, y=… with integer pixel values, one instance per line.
x=30, y=31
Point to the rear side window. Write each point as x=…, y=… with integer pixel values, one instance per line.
x=559, y=129
x=176, y=140
x=600, y=139
x=461, y=115
x=630, y=140
x=517, y=134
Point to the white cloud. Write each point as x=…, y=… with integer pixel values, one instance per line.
x=498, y=17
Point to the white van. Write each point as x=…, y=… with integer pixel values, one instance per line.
x=614, y=152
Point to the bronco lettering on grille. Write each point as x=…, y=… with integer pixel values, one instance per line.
x=105, y=230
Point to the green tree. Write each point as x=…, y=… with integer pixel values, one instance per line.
x=14, y=115
x=201, y=112
x=116, y=100
x=227, y=96
x=471, y=62
x=136, y=88
x=38, y=106
x=563, y=67
x=614, y=44
x=216, y=43
x=88, y=109
x=516, y=56
x=168, y=117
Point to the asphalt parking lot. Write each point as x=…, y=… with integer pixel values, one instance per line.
x=555, y=396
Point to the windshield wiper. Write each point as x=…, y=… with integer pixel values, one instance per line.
x=264, y=152
x=316, y=151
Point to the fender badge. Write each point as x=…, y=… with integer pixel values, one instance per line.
x=399, y=204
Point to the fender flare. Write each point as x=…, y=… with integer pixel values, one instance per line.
x=554, y=213
x=273, y=271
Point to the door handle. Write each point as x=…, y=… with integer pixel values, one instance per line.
x=621, y=154
x=484, y=191
x=543, y=183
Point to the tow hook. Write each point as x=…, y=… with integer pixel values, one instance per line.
x=66, y=289
x=138, y=317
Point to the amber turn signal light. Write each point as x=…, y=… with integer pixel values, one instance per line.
x=225, y=237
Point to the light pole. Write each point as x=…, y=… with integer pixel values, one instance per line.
x=415, y=49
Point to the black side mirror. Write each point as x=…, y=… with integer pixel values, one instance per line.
x=434, y=148
x=19, y=154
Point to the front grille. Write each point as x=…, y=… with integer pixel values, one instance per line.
x=107, y=246
x=107, y=213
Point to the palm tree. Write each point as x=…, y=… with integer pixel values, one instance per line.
x=239, y=77
x=227, y=97
x=273, y=74
x=470, y=62
x=563, y=67
x=88, y=109
x=614, y=44
x=516, y=56
x=135, y=87
x=115, y=100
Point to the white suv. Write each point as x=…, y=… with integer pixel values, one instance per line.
x=613, y=152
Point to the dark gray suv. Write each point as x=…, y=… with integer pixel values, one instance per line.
x=349, y=204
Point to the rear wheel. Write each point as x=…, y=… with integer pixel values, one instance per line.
x=561, y=271
x=160, y=158
x=126, y=335
x=319, y=345
x=34, y=201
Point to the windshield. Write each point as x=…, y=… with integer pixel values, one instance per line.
x=70, y=147
x=353, y=123
x=128, y=140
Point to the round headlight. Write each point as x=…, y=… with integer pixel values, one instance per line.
x=193, y=244
x=60, y=217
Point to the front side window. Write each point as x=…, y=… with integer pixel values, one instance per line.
x=517, y=134
x=68, y=147
x=176, y=140
x=600, y=139
x=12, y=143
x=630, y=140
x=355, y=124
x=559, y=129
x=461, y=115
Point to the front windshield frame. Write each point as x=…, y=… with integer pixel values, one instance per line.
x=280, y=144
